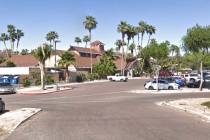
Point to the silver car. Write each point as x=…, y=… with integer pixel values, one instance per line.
x=6, y=88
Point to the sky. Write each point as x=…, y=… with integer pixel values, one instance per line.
x=36, y=18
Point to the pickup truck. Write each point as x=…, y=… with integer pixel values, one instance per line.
x=117, y=77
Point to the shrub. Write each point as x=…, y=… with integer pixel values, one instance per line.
x=93, y=76
x=38, y=82
x=10, y=64
x=49, y=80
x=26, y=82
x=81, y=77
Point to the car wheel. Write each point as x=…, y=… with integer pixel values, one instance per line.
x=170, y=88
x=126, y=80
x=151, y=88
x=121, y=80
x=110, y=79
x=192, y=80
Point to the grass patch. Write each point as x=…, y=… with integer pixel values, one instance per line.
x=207, y=104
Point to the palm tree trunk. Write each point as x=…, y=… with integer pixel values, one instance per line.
x=55, y=53
x=6, y=49
x=138, y=39
x=201, y=70
x=142, y=37
x=148, y=40
x=17, y=44
x=123, y=61
x=67, y=74
x=42, y=76
x=91, y=59
x=85, y=44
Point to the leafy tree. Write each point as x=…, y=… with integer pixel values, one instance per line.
x=2, y=59
x=24, y=52
x=66, y=60
x=4, y=37
x=197, y=40
x=77, y=40
x=86, y=39
x=42, y=53
x=90, y=24
x=106, y=66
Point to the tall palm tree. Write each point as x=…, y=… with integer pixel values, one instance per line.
x=52, y=37
x=86, y=39
x=66, y=60
x=132, y=47
x=142, y=30
x=19, y=35
x=42, y=53
x=12, y=35
x=129, y=35
x=150, y=30
x=4, y=37
x=119, y=43
x=90, y=24
x=77, y=40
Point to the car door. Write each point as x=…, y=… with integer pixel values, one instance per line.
x=160, y=84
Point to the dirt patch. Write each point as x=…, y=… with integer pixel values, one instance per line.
x=2, y=132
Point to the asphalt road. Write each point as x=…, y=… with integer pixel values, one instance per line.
x=107, y=111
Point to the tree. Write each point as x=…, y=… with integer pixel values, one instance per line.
x=119, y=43
x=10, y=64
x=142, y=30
x=4, y=37
x=106, y=66
x=42, y=53
x=19, y=35
x=77, y=40
x=2, y=59
x=53, y=37
x=24, y=52
x=66, y=60
x=197, y=41
x=12, y=35
x=86, y=39
x=132, y=47
x=90, y=24
x=150, y=30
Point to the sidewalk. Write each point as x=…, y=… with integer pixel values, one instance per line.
x=192, y=106
x=182, y=90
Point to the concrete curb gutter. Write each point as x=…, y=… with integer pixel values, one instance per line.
x=11, y=120
x=184, y=90
x=40, y=92
x=190, y=109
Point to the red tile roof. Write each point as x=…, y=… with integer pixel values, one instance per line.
x=81, y=49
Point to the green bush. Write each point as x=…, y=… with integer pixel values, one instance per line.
x=93, y=76
x=26, y=82
x=38, y=82
x=81, y=77
x=10, y=64
x=49, y=80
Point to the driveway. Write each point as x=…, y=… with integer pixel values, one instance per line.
x=106, y=111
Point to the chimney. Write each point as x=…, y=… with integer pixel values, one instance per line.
x=97, y=46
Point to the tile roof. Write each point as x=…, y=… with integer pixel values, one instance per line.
x=81, y=49
x=23, y=60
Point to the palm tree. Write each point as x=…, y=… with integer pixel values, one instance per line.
x=4, y=37
x=132, y=47
x=90, y=24
x=19, y=34
x=66, y=60
x=86, y=39
x=53, y=36
x=129, y=35
x=142, y=30
x=42, y=53
x=150, y=30
x=119, y=43
x=12, y=35
x=77, y=40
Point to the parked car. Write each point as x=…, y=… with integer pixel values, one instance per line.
x=6, y=88
x=117, y=77
x=162, y=85
x=2, y=106
x=175, y=79
x=191, y=78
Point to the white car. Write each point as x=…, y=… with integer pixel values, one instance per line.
x=162, y=85
x=117, y=77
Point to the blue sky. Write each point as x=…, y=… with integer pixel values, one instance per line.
x=37, y=17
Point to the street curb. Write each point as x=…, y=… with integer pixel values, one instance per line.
x=43, y=93
x=166, y=103
x=18, y=123
x=168, y=91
